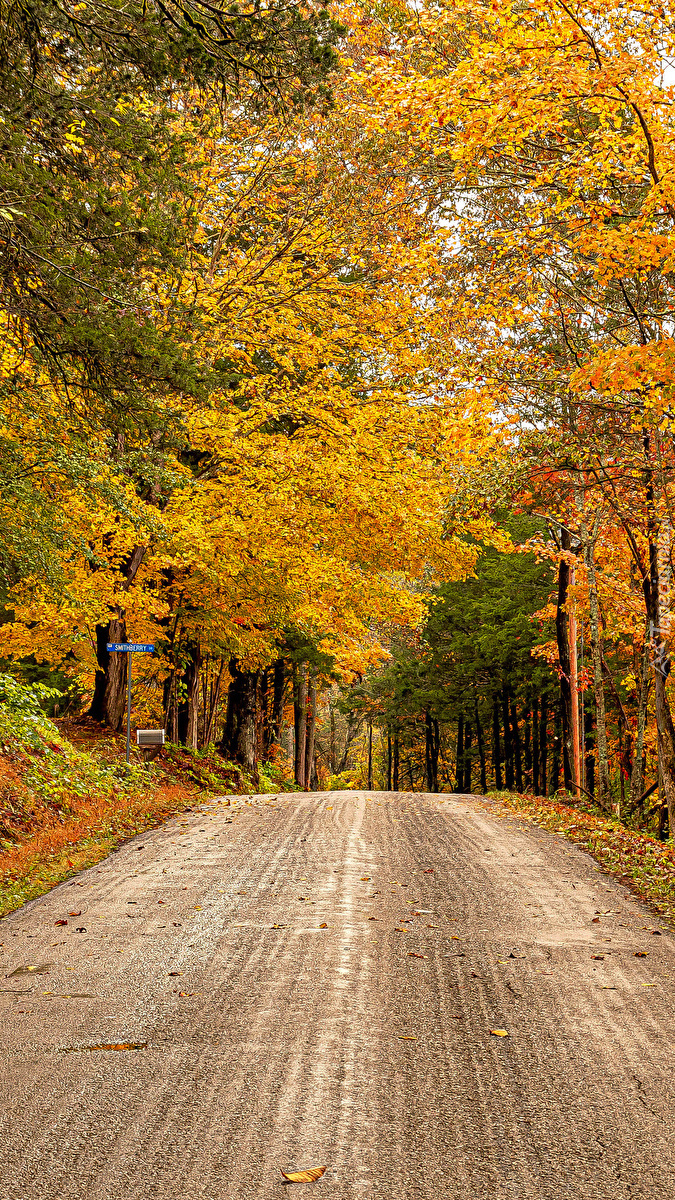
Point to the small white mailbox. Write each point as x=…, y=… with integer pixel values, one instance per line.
x=150, y=737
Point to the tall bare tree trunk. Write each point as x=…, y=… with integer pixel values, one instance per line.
x=535, y=745
x=543, y=745
x=108, y=701
x=517, y=750
x=481, y=747
x=563, y=641
x=637, y=780
x=459, y=772
x=496, y=749
x=300, y=700
x=311, y=730
x=603, y=792
x=277, y=701
x=192, y=668
x=508, y=739
x=655, y=604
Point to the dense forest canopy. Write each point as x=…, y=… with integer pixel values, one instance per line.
x=338, y=363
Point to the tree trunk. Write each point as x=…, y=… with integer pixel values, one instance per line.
x=468, y=732
x=517, y=753
x=557, y=748
x=264, y=732
x=370, y=756
x=563, y=641
x=589, y=750
x=432, y=743
x=171, y=707
x=300, y=700
x=508, y=739
x=496, y=749
x=527, y=746
x=239, y=735
x=189, y=711
x=604, y=797
x=277, y=702
x=396, y=761
x=459, y=773
x=108, y=702
x=543, y=744
x=333, y=743
x=535, y=745
x=246, y=744
x=211, y=712
x=481, y=747
x=637, y=782
x=389, y=760
x=109, y=699
x=310, y=771
x=652, y=591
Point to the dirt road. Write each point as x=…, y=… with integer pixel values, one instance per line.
x=264, y=1041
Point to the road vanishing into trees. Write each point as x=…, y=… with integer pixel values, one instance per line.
x=315, y=980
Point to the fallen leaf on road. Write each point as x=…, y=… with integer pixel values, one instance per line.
x=280, y=927
x=433, y=926
x=608, y=987
x=161, y=901
x=649, y=985
x=407, y=1037
x=323, y=925
x=429, y=871
x=640, y=953
x=499, y=1032
x=598, y=956
x=175, y=972
x=75, y=914
x=309, y=1176
x=42, y=969
x=80, y=929
x=365, y=878
x=656, y=932
x=595, y=921
x=60, y=922
x=198, y=907
x=412, y=954
x=372, y=918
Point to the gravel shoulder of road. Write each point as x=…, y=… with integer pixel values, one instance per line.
x=643, y=863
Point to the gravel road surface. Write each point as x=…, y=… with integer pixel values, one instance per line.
x=193, y=1029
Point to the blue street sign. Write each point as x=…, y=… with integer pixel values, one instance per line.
x=137, y=646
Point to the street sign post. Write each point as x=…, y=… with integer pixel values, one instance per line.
x=129, y=648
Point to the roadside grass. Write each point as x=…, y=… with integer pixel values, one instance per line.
x=65, y=806
x=636, y=859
